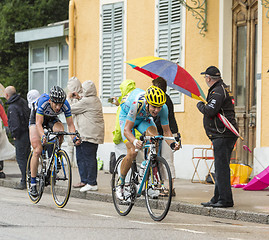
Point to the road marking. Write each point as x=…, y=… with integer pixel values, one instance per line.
x=146, y=223
x=216, y=225
x=188, y=230
x=235, y=238
x=68, y=209
x=101, y=215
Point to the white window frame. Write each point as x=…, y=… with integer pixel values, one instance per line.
x=45, y=66
x=103, y=2
x=177, y=107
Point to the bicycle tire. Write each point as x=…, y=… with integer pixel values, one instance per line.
x=158, y=195
x=61, y=179
x=123, y=207
x=40, y=179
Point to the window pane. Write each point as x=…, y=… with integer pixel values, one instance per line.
x=241, y=66
x=38, y=81
x=52, y=78
x=112, y=50
x=64, y=49
x=64, y=77
x=53, y=53
x=38, y=55
x=254, y=84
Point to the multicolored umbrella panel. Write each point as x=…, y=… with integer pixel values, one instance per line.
x=177, y=77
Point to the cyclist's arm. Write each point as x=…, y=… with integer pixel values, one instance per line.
x=70, y=124
x=129, y=135
x=128, y=131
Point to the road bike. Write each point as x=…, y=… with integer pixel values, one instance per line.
x=54, y=168
x=154, y=181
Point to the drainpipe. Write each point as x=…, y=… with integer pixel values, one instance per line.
x=70, y=148
x=71, y=38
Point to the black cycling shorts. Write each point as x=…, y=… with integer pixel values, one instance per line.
x=48, y=122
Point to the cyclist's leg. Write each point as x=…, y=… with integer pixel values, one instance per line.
x=126, y=162
x=37, y=149
x=56, y=125
x=131, y=153
x=150, y=128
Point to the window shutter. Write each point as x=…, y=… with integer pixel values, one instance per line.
x=112, y=50
x=169, y=41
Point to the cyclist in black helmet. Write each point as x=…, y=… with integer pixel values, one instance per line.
x=45, y=115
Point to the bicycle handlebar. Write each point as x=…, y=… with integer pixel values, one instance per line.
x=159, y=137
x=144, y=138
x=57, y=134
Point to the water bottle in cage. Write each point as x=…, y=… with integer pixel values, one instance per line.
x=142, y=168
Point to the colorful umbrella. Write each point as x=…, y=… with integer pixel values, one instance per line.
x=259, y=182
x=177, y=78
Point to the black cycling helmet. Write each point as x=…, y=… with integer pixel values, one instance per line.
x=57, y=94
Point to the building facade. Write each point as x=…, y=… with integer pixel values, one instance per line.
x=230, y=34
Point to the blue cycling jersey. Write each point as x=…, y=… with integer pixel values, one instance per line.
x=133, y=108
x=43, y=107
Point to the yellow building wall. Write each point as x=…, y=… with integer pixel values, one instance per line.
x=200, y=52
x=265, y=82
x=87, y=52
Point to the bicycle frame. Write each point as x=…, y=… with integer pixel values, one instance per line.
x=56, y=142
x=152, y=151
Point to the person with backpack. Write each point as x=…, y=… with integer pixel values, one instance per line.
x=18, y=120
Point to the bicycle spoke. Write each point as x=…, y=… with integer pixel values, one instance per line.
x=40, y=179
x=158, y=192
x=61, y=178
x=123, y=207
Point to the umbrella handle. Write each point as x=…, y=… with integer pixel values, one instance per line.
x=203, y=100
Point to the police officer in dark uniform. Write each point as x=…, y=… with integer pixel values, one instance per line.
x=219, y=100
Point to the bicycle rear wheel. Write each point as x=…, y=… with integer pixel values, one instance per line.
x=158, y=189
x=61, y=179
x=123, y=207
x=40, y=179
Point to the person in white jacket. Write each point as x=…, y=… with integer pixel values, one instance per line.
x=90, y=123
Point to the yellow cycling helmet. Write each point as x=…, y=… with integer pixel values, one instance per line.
x=155, y=96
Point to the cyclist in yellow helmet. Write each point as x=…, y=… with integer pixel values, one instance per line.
x=137, y=110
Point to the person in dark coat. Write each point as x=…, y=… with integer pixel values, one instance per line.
x=18, y=120
x=219, y=100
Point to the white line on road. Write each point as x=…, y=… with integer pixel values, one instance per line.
x=147, y=223
x=234, y=238
x=188, y=230
x=68, y=209
x=101, y=215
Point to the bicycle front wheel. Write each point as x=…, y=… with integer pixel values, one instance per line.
x=123, y=207
x=61, y=179
x=40, y=179
x=158, y=189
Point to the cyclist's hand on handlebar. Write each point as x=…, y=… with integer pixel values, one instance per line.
x=175, y=145
x=77, y=140
x=138, y=144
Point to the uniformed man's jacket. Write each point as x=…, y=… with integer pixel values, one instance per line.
x=219, y=100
